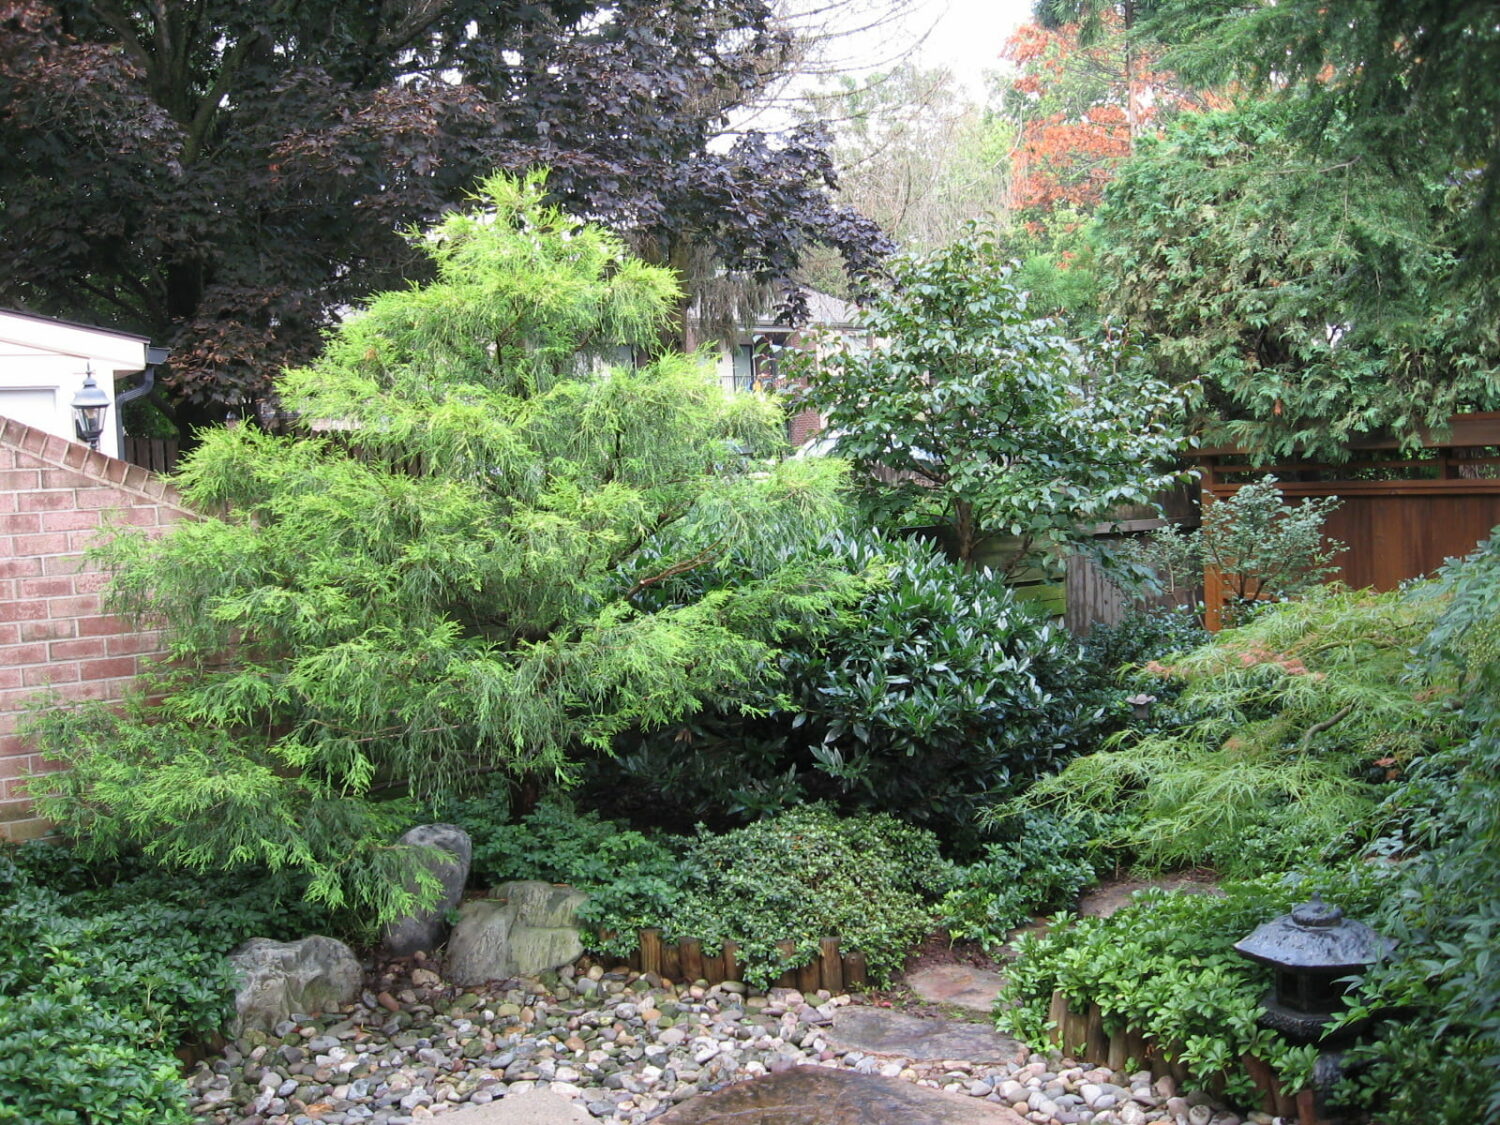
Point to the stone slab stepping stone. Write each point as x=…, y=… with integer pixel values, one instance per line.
x=879, y=1031
x=1110, y=896
x=534, y=1107
x=963, y=986
x=814, y=1095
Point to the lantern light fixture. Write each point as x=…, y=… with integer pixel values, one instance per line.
x=90, y=405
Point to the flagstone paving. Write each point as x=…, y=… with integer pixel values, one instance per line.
x=881, y=1031
x=817, y=1096
x=959, y=986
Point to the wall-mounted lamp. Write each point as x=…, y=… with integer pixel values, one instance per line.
x=90, y=405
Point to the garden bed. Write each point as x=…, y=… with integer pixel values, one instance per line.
x=1082, y=1034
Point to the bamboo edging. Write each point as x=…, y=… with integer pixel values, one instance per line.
x=685, y=960
x=1081, y=1035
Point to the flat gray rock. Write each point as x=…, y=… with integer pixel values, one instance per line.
x=815, y=1095
x=963, y=986
x=534, y=1107
x=879, y=1031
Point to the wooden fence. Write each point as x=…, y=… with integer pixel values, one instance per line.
x=1400, y=517
x=1091, y=598
x=157, y=454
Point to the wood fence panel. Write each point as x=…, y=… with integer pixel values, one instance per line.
x=1396, y=530
x=1092, y=599
x=157, y=454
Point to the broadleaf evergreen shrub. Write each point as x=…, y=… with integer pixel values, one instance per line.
x=806, y=874
x=978, y=414
x=801, y=875
x=937, y=695
x=1047, y=863
x=1164, y=966
x=106, y=969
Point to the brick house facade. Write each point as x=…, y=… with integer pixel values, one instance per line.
x=55, y=496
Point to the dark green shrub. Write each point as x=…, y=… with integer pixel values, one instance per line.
x=105, y=970
x=633, y=880
x=938, y=695
x=1046, y=865
x=1141, y=636
x=808, y=874
x=802, y=875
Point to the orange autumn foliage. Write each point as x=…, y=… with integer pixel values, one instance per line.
x=1079, y=110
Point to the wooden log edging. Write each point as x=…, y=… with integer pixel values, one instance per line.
x=685, y=959
x=1081, y=1036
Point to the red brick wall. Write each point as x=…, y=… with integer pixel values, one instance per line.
x=55, y=495
x=803, y=427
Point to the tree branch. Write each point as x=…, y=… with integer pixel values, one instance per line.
x=703, y=557
x=1318, y=728
x=111, y=13
x=209, y=106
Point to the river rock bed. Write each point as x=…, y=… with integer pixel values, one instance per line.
x=624, y=1045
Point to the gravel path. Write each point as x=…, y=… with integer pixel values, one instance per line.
x=625, y=1046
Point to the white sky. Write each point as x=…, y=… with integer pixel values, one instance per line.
x=967, y=35
x=964, y=35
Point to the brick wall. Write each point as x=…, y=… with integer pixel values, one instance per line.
x=55, y=495
x=803, y=427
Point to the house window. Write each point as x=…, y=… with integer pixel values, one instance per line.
x=743, y=376
x=754, y=366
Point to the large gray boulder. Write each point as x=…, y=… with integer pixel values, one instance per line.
x=521, y=930
x=282, y=978
x=426, y=930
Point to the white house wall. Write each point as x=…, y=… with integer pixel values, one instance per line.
x=43, y=363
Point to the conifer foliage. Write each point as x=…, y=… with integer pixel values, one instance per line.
x=446, y=583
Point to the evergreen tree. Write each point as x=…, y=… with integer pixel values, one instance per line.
x=1314, y=299
x=446, y=583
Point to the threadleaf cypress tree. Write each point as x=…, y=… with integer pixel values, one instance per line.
x=441, y=577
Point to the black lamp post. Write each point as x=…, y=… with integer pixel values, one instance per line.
x=90, y=405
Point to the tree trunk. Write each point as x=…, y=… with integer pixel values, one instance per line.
x=525, y=792
x=964, y=533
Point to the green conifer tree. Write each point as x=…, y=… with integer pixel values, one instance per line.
x=440, y=579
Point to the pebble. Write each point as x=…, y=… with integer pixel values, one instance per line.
x=625, y=1047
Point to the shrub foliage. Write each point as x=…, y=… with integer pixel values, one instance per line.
x=105, y=971
x=937, y=695
x=1164, y=967
x=1286, y=734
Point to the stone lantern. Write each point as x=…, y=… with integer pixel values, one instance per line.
x=1311, y=949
